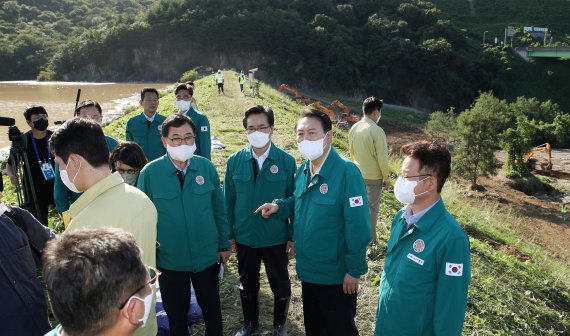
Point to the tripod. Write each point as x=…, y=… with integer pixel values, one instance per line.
x=20, y=164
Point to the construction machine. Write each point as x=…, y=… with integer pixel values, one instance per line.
x=297, y=95
x=545, y=164
x=347, y=116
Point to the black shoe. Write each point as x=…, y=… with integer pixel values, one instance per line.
x=248, y=328
x=280, y=311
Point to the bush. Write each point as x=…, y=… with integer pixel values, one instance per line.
x=46, y=76
x=189, y=76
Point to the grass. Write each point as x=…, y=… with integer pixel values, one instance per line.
x=508, y=295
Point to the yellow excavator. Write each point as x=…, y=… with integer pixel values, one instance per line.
x=545, y=164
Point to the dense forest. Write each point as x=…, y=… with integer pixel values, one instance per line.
x=405, y=50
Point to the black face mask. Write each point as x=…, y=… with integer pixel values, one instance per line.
x=41, y=125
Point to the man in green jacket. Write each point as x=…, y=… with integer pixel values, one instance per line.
x=88, y=109
x=255, y=175
x=184, y=95
x=332, y=228
x=192, y=229
x=428, y=269
x=241, y=79
x=144, y=128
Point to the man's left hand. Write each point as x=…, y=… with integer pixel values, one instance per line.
x=386, y=184
x=350, y=284
x=290, y=249
x=223, y=256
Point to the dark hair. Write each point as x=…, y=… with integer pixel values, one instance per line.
x=176, y=120
x=259, y=109
x=191, y=83
x=184, y=86
x=324, y=119
x=87, y=103
x=433, y=157
x=34, y=109
x=88, y=274
x=148, y=89
x=83, y=137
x=130, y=153
x=372, y=104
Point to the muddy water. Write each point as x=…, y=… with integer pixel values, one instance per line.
x=59, y=99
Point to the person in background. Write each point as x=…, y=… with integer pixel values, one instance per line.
x=144, y=128
x=257, y=174
x=80, y=149
x=23, y=308
x=427, y=271
x=219, y=79
x=98, y=284
x=241, y=79
x=88, y=109
x=128, y=159
x=193, y=230
x=40, y=163
x=184, y=95
x=369, y=151
x=563, y=209
x=332, y=228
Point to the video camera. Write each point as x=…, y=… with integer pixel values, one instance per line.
x=18, y=160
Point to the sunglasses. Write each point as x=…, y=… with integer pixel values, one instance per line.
x=154, y=274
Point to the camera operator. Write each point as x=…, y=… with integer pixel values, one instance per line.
x=39, y=186
x=23, y=308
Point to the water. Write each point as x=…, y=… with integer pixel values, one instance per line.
x=59, y=100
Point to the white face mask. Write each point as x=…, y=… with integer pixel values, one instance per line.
x=130, y=179
x=147, y=306
x=404, y=190
x=258, y=139
x=183, y=105
x=65, y=178
x=312, y=150
x=182, y=152
x=3, y=208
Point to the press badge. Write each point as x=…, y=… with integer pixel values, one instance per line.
x=47, y=170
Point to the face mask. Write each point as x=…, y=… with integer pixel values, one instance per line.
x=258, y=139
x=41, y=124
x=311, y=150
x=130, y=179
x=182, y=152
x=147, y=306
x=3, y=208
x=183, y=105
x=404, y=190
x=65, y=178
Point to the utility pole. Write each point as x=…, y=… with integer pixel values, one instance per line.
x=484, y=33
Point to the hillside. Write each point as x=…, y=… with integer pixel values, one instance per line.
x=493, y=16
x=31, y=31
x=520, y=283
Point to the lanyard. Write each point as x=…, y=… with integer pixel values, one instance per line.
x=36, y=149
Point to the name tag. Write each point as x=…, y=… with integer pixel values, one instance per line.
x=415, y=259
x=47, y=171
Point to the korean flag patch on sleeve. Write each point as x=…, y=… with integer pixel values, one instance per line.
x=452, y=269
x=356, y=201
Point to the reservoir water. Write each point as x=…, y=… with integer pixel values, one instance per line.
x=59, y=100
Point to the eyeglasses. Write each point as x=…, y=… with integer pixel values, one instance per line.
x=154, y=274
x=127, y=171
x=187, y=140
x=263, y=129
x=150, y=100
x=409, y=177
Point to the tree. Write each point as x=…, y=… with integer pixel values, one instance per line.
x=477, y=134
x=440, y=125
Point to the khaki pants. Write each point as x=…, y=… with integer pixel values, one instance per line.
x=374, y=192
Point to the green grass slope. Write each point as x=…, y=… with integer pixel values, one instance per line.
x=478, y=16
x=509, y=295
